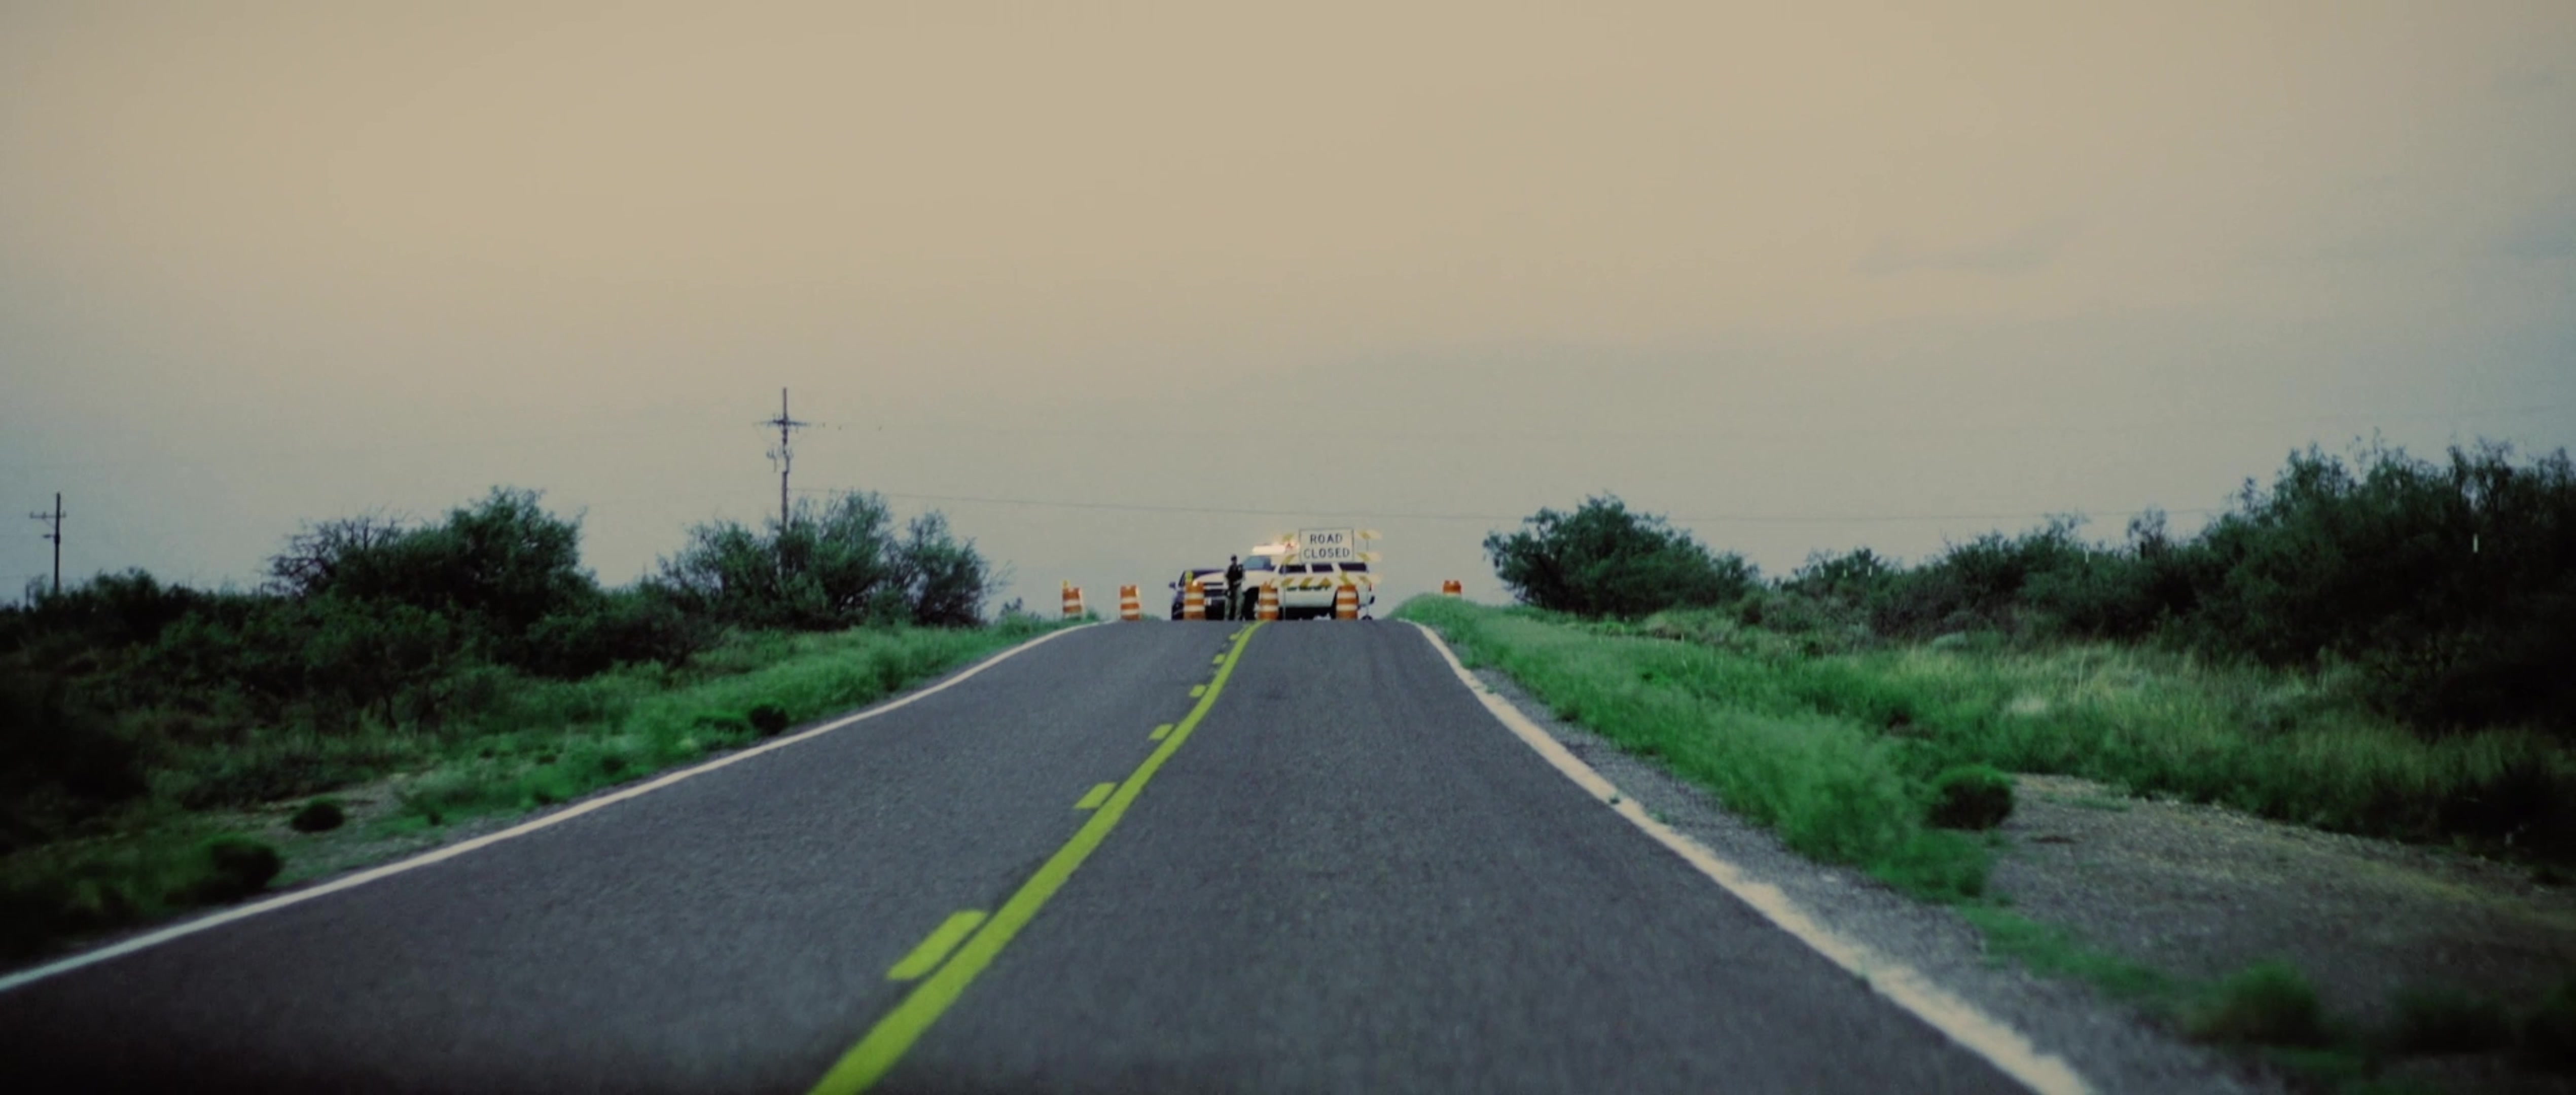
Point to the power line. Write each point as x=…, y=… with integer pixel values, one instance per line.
x=1515, y=433
x=1720, y=518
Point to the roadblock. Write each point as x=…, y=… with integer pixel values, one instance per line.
x=1193, y=602
x=1452, y=587
x=1130, y=608
x=1269, y=609
x=1072, y=601
x=1346, y=602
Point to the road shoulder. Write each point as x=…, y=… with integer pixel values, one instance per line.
x=2115, y=1050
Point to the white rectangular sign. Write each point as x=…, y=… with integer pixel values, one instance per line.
x=1328, y=545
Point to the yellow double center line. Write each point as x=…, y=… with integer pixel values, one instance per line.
x=885, y=1043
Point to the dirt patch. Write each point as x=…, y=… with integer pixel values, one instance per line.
x=2203, y=891
x=376, y=830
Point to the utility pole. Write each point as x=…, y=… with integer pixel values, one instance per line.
x=785, y=454
x=54, y=526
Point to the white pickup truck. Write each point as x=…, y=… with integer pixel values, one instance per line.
x=1306, y=589
x=1319, y=562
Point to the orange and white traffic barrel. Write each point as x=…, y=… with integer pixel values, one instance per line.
x=1346, y=602
x=1269, y=602
x=1130, y=608
x=1072, y=600
x=1193, y=602
x=1452, y=587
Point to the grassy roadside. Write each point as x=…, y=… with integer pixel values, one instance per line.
x=1842, y=755
x=514, y=744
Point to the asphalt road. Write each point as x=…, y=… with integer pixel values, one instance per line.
x=1340, y=875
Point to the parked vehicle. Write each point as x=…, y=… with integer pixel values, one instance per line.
x=1211, y=582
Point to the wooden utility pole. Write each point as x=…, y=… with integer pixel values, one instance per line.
x=54, y=532
x=785, y=454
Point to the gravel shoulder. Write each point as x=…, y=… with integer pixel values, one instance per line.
x=2201, y=892
x=2114, y=1049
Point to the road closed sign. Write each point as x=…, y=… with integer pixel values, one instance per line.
x=1328, y=545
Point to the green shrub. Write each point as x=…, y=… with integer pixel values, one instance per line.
x=2268, y=1004
x=1971, y=796
x=317, y=816
x=2549, y=1030
x=836, y=564
x=768, y=719
x=2445, y=1020
x=2445, y=590
x=1604, y=560
x=237, y=867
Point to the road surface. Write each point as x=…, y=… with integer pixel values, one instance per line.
x=1334, y=871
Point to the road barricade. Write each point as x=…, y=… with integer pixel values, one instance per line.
x=1346, y=602
x=1072, y=601
x=1269, y=609
x=1193, y=602
x=1452, y=587
x=1130, y=608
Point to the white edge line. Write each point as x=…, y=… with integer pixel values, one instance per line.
x=1984, y=1035
x=192, y=927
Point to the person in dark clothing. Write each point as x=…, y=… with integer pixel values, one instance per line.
x=1233, y=587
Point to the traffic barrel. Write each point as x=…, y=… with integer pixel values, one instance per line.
x=1346, y=602
x=1269, y=601
x=1072, y=600
x=1452, y=587
x=1193, y=602
x=1130, y=608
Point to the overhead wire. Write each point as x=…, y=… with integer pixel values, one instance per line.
x=1391, y=515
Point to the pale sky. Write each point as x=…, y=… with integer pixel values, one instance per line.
x=1805, y=276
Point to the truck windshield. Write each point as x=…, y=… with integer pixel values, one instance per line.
x=1257, y=562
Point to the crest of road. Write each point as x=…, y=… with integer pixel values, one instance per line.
x=1126, y=858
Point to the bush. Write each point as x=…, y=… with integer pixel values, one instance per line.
x=1971, y=796
x=237, y=867
x=644, y=624
x=318, y=816
x=834, y=565
x=2269, y=1004
x=491, y=570
x=2442, y=1020
x=2445, y=591
x=768, y=719
x=2549, y=1031
x=1603, y=560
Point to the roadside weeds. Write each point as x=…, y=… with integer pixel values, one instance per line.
x=1838, y=791
x=161, y=862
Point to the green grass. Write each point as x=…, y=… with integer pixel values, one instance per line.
x=1834, y=789
x=2054, y=952
x=509, y=744
x=2303, y=749
x=2268, y=1004
x=1840, y=754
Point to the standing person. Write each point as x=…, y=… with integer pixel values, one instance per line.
x=1233, y=587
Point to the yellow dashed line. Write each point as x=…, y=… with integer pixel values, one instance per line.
x=1099, y=794
x=943, y=939
x=1161, y=731
x=887, y=1041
